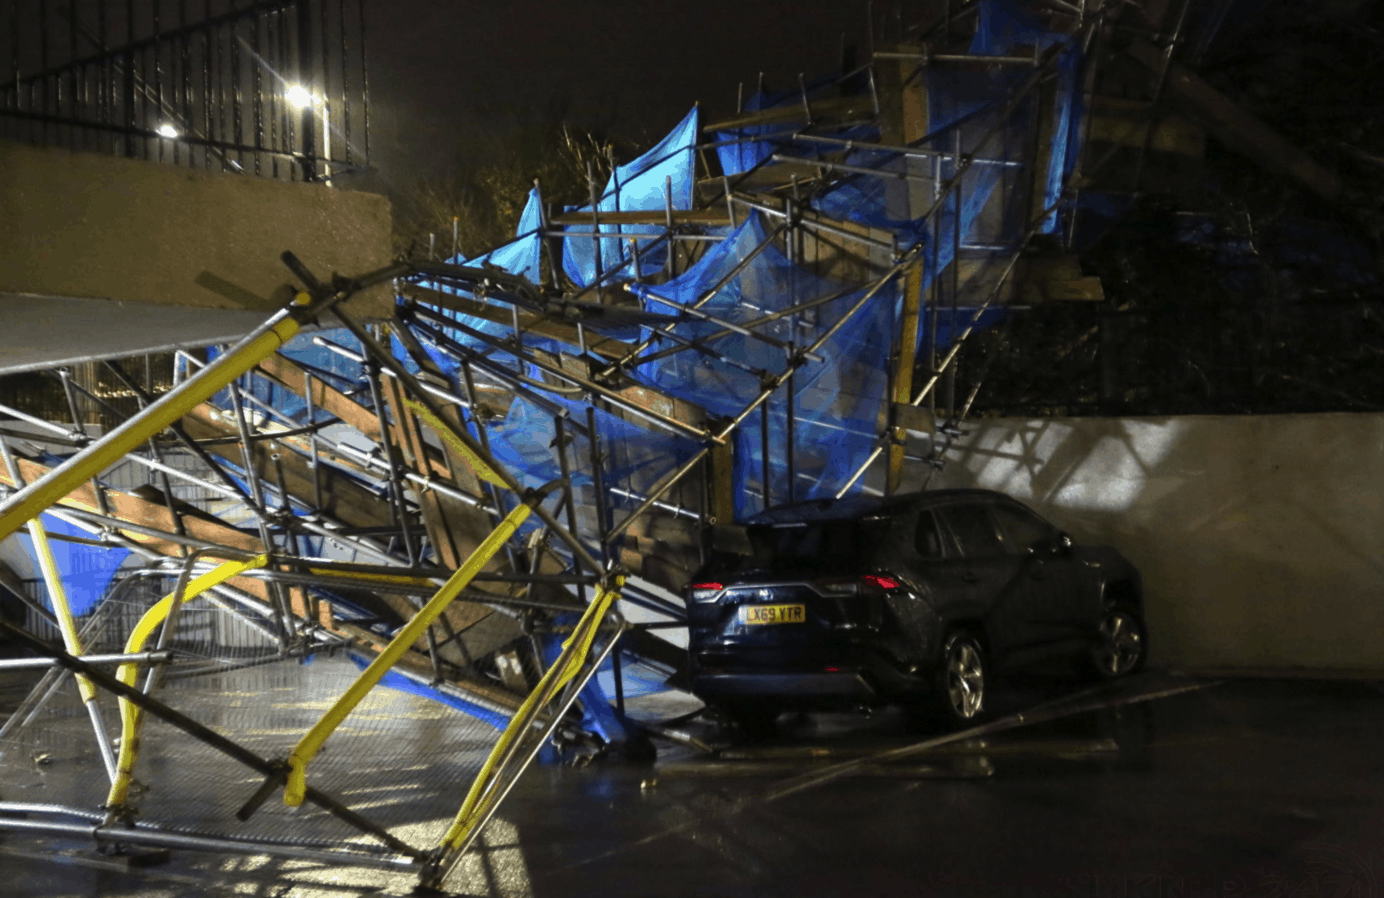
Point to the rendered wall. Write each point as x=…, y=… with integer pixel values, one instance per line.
x=1261, y=539
x=92, y=226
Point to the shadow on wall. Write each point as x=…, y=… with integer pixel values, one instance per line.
x=1260, y=538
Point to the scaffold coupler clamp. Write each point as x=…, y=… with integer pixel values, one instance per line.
x=951, y=429
x=533, y=497
x=275, y=781
x=121, y=815
x=434, y=869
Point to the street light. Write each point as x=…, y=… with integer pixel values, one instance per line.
x=300, y=98
x=167, y=130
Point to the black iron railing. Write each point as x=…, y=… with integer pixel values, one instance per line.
x=276, y=88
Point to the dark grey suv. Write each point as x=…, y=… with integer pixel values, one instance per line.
x=915, y=598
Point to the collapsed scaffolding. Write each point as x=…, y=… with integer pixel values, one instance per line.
x=765, y=310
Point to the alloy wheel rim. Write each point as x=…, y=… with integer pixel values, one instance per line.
x=965, y=680
x=1121, y=644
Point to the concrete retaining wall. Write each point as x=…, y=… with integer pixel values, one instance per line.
x=1261, y=539
x=87, y=226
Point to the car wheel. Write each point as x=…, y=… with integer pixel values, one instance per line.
x=1123, y=645
x=962, y=678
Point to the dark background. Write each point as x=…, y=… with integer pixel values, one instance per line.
x=449, y=81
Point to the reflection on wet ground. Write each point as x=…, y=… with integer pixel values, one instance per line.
x=1232, y=788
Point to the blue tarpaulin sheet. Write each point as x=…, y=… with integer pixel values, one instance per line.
x=523, y=255
x=86, y=570
x=663, y=175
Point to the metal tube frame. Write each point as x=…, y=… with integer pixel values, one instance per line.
x=611, y=396
x=497, y=471
x=283, y=611
x=447, y=859
x=153, y=657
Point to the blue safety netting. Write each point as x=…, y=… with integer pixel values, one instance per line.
x=660, y=179
x=86, y=570
x=523, y=255
x=742, y=149
x=1003, y=29
x=837, y=402
x=972, y=111
x=633, y=455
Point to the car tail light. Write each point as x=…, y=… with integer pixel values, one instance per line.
x=880, y=582
x=704, y=592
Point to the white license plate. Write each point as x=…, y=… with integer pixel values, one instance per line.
x=772, y=614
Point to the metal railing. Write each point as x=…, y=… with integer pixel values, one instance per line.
x=275, y=88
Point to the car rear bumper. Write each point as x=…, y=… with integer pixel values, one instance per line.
x=849, y=685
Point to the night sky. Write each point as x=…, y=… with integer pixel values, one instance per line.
x=446, y=76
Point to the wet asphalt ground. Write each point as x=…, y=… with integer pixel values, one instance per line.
x=1163, y=785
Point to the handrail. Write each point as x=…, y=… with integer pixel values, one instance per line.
x=131, y=716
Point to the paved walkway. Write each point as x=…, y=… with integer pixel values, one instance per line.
x=1237, y=787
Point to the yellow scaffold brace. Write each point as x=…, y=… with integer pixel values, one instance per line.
x=67, y=624
x=483, y=793
x=295, y=787
x=130, y=714
x=479, y=465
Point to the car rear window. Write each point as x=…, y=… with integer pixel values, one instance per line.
x=820, y=547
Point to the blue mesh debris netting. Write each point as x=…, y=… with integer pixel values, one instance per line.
x=661, y=178
x=742, y=149
x=86, y=570
x=837, y=402
x=1003, y=29
x=523, y=255
x=634, y=456
x=979, y=141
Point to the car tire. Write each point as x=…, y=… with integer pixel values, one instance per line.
x=1123, y=646
x=963, y=676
